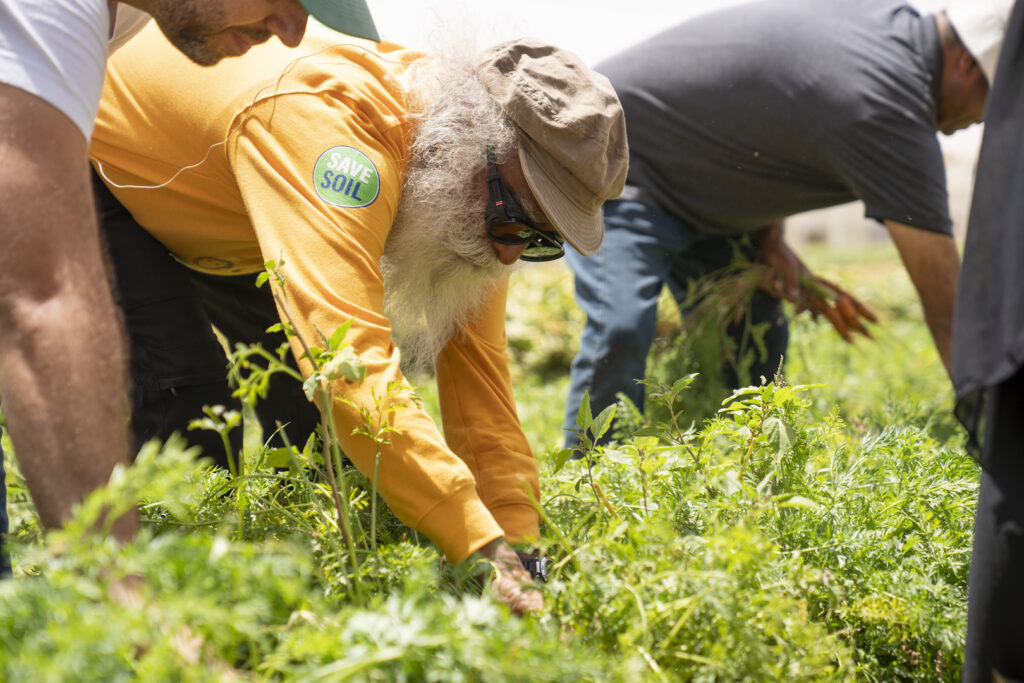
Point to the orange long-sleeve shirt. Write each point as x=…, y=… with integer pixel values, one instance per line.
x=298, y=156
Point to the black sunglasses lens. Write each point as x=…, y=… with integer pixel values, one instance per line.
x=503, y=210
x=522, y=235
x=545, y=247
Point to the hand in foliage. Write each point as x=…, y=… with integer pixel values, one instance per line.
x=512, y=584
x=815, y=294
x=846, y=313
x=785, y=271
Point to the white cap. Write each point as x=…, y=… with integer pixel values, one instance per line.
x=981, y=27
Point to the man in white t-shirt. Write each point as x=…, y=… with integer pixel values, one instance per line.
x=62, y=363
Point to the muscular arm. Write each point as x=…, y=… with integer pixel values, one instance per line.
x=932, y=262
x=61, y=356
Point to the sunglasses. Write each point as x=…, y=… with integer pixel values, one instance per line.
x=503, y=210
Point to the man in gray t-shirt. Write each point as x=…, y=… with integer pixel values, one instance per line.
x=742, y=117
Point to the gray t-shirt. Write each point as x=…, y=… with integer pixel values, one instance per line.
x=747, y=115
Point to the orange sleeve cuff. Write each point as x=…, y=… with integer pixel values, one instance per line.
x=519, y=522
x=460, y=525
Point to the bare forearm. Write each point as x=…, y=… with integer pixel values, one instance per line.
x=62, y=361
x=771, y=235
x=932, y=261
x=783, y=279
x=62, y=375
x=940, y=324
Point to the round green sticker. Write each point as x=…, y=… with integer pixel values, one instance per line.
x=346, y=177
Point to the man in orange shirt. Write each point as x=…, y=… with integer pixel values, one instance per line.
x=397, y=189
x=64, y=402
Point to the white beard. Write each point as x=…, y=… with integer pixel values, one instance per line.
x=436, y=277
x=439, y=265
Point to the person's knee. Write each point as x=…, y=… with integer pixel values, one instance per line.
x=625, y=340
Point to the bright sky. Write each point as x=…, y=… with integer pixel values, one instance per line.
x=593, y=29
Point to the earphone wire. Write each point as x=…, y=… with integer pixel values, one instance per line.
x=235, y=127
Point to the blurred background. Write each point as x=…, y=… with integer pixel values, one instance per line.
x=596, y=29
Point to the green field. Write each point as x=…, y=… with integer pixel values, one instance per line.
x=816, y=530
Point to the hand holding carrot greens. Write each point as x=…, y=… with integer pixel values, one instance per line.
x=817, y=295
x=845, y=312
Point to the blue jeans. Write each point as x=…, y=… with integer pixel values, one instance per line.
x=618, y=289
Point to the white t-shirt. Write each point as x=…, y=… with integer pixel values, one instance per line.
x=57, y=50
x=129, y=21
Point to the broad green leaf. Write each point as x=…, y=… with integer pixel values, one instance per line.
x=310, y=386
x=682, y=384
x=338, y=336
x=780, y=434
x=281, y=457
x=603, y=421
x=617, y=456
x=562, y=456
x=584, y=418
x=344, y=365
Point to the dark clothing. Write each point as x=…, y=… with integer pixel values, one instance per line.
x=5, y=522
x=988, y=329
x=750, y=114
x=737, y=119
x=995, y=593
x=177, y=363
x=988, y=350
x=620, y=294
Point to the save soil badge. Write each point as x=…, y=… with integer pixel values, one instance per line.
x=345, y=177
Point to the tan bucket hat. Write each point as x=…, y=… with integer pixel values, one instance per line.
x=572, y=142
x=981, y=27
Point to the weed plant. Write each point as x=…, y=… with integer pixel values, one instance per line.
x=816, y=530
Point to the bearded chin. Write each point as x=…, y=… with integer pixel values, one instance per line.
x=439, y=269
x=439, y=266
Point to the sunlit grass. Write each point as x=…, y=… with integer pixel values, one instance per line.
x=805, y=533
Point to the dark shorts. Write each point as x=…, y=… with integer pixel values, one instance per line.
x=178, y=365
